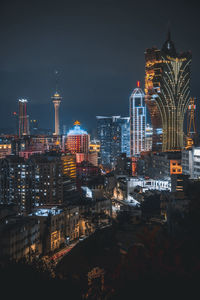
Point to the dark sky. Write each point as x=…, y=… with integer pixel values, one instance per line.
x=98, y=48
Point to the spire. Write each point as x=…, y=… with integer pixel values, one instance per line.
x=169, y=30
x=168, y=47
x=169, y=34
x=56, y=72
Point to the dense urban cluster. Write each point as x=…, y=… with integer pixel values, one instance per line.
x=107, y=210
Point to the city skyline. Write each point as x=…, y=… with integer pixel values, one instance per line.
x=99, y=148
x=97, y=65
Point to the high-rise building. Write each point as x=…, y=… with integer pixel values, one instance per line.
x=137, y=121
x=56, y=101
x=109, y=135
x=192, y=135
x=77, y=139
x=94, y=151
x=69, y=165
x=148, y=137
x=41, y=179
x=23, y=118
x=125, y=136
x=167, y=86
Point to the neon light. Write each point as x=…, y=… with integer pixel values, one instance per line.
x=77, y=130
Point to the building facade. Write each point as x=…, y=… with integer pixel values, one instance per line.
x=77, y=139
x=19, y=238
x=148, y=137
x=125, y=136
x=112, y=142
x=167, y=89
x=137, y=121
x=42, y=179
x=191, y=162
x=23, y=118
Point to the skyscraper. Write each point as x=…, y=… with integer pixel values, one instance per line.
x=148, y=137
x=23, y=118
x=137, y=121
x=167, y=86
x=125, y=135
x=77, y=139
x=112, y=142
x=56, y=101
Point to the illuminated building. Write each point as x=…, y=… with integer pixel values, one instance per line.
x=167, y=86
x=175, y=167
x=137, y=121
x=77, y=139
x=41, y=179
x=162, y=165
x=5, y=149
x=91, y=157
x=52, y=217
x=125, y=136
x=148, y=137
x=58, y=225
x=94, y=146
x=69, y=165
x=94, y=152
x=109, y=132
x=56, y=101
x=15, y=184
x=192, y=136
x=23, y=118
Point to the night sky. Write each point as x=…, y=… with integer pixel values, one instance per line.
x=97, y=47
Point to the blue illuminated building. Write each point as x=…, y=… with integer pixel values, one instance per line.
x=125, y=136
x=114, y=136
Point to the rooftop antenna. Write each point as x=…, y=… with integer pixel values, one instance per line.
x=56, y=73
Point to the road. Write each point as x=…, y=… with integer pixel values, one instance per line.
x=59, y=255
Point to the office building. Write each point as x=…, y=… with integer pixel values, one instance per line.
x=125, y=136
x=109, y=133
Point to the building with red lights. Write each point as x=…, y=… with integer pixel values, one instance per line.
x=77, y=139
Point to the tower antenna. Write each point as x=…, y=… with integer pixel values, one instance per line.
x=56, y=73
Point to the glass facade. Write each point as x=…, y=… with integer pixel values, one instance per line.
x=137, y=122
x=167, y=86
x=113, y=134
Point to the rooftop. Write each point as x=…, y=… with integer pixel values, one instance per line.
x=44, y=212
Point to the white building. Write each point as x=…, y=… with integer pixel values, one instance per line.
x=137, y=121
x=191, y=162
